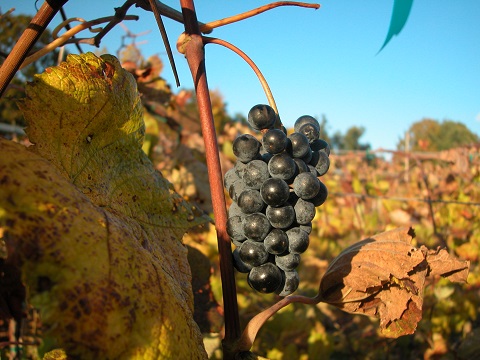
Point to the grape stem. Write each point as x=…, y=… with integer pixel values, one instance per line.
x=249, y=61
x=206, y=28
x=255, y=324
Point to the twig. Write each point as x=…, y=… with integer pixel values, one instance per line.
x=64, y=17
x=256, y=323
x=163, y=32
x=28, y=38
x=63, y=39
x=120, y=15
x=263, y=81
x=196, y=61
x=207, y=28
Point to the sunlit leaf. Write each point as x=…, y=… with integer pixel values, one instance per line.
x=96, y=230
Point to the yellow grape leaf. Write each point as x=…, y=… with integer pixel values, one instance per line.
x=96, y=230
x=384, y=276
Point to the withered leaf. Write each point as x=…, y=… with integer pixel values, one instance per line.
x=384, y=276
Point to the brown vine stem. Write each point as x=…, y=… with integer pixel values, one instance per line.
x=28, y=38
x=194, y=52
x=263, y=81
x=214, y=24
x=256, y=323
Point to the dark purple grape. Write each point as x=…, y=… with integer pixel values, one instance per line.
x=306, y=227
x=236, y=189
x=229, y=178
x=304, y=211
x=239, y=169
x=274, y=141
x=318, y=145
x=321, y=161
x=287, y=262
x=290, y=282
x=275, y=192
x=322, y=195
x=312, y=169
x=238, y=263
x=276, y=242
x=255, y=173
x=234, y=210
x=305, y=119
x=250, y=201
x=299, y=145
x=265, y=278
x=282, y=166
x=253, y=253
x=310, y=130
x=256, y=226
x=280, y=217
x=235, y=228
x=301, y=165
x=306, y=185
x=246, y=148
x=298, y=240
x=261, y=117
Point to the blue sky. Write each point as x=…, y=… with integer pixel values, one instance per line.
x=326, y=61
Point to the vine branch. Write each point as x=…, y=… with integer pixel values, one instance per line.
x=194, y=53
x=28, y=38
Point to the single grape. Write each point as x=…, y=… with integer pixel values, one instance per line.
x=305, y=119
x=306, y=185
x=229, y=178
x=274, y=141
x=246, y=147
x=256, y=226
x=275, y=192
x=238, y=263
x=234, y=210
x=282, y=166
x=288, y=261
x=299, y=145
x=236, y=189
x=321, y=161
x=266, y=157
x=306, y=227
x=313, y=170
x=318, y=145
x=280, y=217
x=298, y=240
x=239, y=169
x=290, y=282
x=235, y=228
x=301, y=165
x=265, y=278
x=255, y=173
x=304, y=211
x=253, y=253
x=322, y=195
x=310, y=130
x=261, y=117
x=276, y=242
x=250, y=201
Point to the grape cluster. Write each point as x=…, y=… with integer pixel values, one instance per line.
x=275, y=188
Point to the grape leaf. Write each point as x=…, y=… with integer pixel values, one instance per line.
x=384, y=276
x=96, y=230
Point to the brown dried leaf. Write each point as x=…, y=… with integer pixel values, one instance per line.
x=384, y=276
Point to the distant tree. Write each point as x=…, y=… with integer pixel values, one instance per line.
x=431, y=135
x=11, y=26
x=350, y=140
